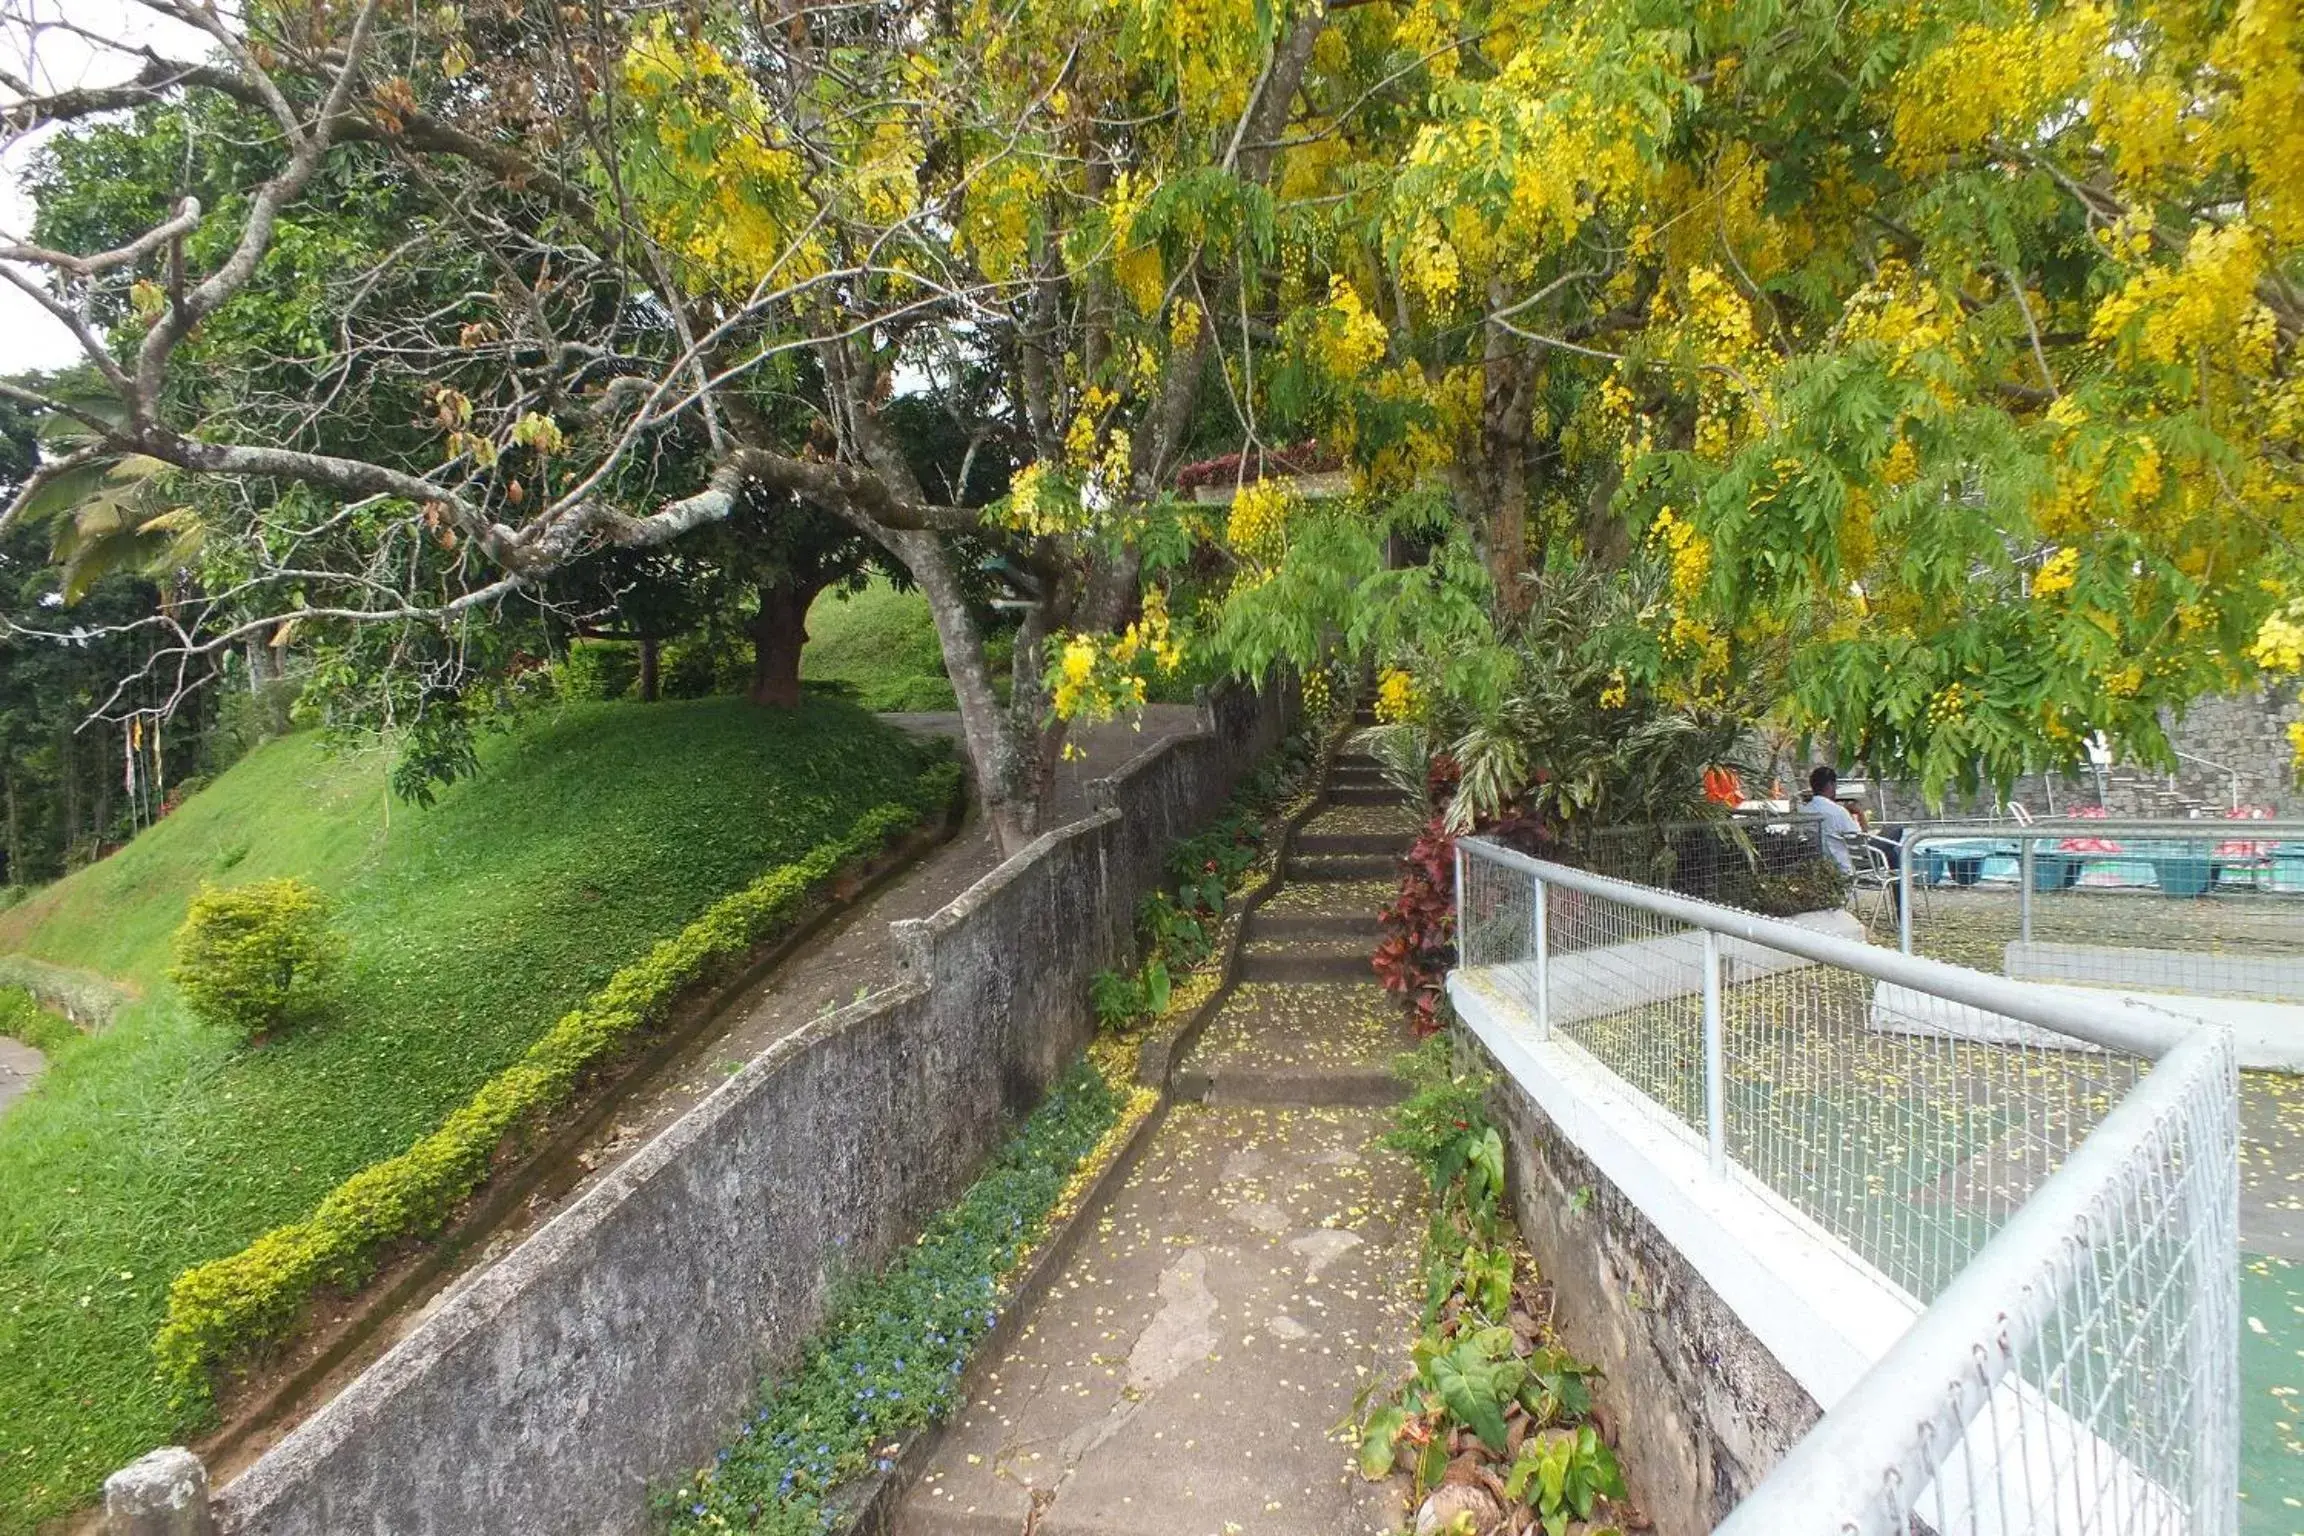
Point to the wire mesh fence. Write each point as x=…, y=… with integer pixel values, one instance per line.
x=1773, y=864
x=1920, y=1116
x=2188, y=907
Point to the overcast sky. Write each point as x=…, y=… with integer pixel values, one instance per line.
x=29, y=336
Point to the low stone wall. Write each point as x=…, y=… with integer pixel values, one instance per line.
x=611, y=1351
x=1701, y=1410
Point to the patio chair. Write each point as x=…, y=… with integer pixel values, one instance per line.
x=1872, y=887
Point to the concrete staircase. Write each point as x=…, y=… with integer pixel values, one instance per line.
x=1186, y=1375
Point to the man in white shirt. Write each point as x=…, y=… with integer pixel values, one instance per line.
x=1842, y=831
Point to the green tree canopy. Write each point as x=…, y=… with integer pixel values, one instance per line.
x=1933, y=369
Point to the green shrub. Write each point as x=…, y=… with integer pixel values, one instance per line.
x=250, y=956
x=222, y=1308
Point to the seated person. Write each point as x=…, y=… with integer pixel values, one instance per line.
x=1842, y=831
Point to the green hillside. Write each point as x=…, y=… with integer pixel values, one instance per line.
x=473, y=925
x=879, y=644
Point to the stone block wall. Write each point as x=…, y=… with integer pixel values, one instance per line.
x=612, y=1350
x=2234, y=745
x=1700, y=1409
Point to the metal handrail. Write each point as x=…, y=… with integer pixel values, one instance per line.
x=2116, y=1023
x=2189, y=827
x=1905, y=1425
x=1865, y=1446
x=2226, y=769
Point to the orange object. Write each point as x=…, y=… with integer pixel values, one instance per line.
x=1722, y=785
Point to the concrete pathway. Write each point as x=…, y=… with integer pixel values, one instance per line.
x=20, y=1067
x=1194, y=1370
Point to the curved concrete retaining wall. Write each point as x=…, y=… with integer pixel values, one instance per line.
x=613, y=1348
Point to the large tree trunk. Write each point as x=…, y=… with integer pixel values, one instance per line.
x=779, y=631
x=1004, y=778
x=651, y=653
x=1002, y=759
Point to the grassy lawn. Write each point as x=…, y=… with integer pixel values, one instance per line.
x=155, y=1145
x=880, y=644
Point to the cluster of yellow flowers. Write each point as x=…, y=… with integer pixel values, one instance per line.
x=1395, y=696
x=1080, y=438
x=2057, y=572
x=1353, y=340
x=1101, y=677
x=1257, y=528
x=1041, y=505
x=1901, y=465
x=1184, y=324
x=1428, y=265
x=2279, y=643
x=1949, y=704
x=1318, y=694
x=1136, y=262
x=1899, y=310
x=1718, y=345
x=1690, y=550
x=717, y=189
x=2164, y=313
x=1987, y=81
x=996, y=220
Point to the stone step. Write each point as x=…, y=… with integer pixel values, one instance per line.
x=1294, y=1087
x=1363, y=794
x=1318, y=843
x=1345, y=962
x=1300, y=1041
x=1342, y=866
x=1349, y=923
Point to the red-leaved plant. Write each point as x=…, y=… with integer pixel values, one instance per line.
x=1419, y=923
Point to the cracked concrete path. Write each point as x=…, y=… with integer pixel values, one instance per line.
x=1194, y=1370
x=20, y=1068
x=1191, y=1370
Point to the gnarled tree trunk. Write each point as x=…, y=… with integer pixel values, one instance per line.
x=779, y=631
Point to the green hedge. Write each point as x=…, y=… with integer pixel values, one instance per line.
x=220, y=1309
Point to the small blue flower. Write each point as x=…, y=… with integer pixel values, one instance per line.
x=696, y=1509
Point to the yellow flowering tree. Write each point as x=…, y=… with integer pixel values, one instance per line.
x=1929, y=370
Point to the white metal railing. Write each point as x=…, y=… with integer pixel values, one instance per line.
x=2207, y=906
x=2051, y=1180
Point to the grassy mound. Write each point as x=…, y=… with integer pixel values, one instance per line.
x=880, y=646
x=156, y=1144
